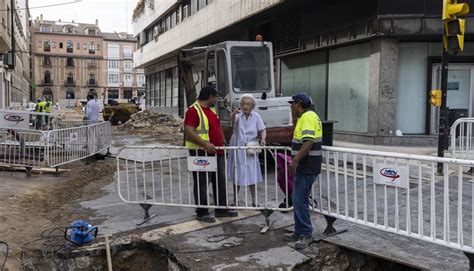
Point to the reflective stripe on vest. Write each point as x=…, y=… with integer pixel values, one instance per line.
x=203, y=128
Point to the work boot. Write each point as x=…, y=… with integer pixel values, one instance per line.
x=303, y=242
x=208, y=218
x=291, y=237
x=227, y=213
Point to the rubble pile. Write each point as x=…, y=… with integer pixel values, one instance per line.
x=149, y=120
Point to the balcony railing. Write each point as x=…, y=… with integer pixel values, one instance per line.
x=92, y=83
x=91, y=64
x=69, y=83
x=47, y=82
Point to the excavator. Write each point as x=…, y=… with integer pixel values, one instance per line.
x=236, y=68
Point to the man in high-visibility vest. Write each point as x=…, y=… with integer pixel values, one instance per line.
x=203, y=133
x=40, y=106
x=305, y=166
x=47, y=109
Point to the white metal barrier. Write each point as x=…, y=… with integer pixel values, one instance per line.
x=71, y=144
x=35, y=148
x=24, y=148
x=462, y=135
x=400, y=193
x=163, y=175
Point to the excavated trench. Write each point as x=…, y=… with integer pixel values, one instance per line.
x=140, y=255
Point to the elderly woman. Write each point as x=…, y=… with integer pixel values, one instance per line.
x=243, y=165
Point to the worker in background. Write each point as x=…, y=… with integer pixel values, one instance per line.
x=47, y=109
x=40, y=107
x=91, y=113
x=305, y=166
x=203, y=133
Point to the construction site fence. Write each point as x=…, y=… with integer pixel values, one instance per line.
x=392, y=192
x=163, y=175
x=462, y=135
x=35, y=148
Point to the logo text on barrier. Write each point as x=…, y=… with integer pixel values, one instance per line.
x=201, y=162
x=390, y=173
x=14, y=118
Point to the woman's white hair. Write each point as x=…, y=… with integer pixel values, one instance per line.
x=248, y=96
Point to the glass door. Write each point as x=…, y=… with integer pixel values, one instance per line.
x=459, y=97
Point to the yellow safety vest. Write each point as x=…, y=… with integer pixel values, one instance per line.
x=48, y=108
x=203, y=128
x=40, y=106
x=308, y=127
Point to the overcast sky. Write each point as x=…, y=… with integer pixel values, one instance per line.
x=113, y=15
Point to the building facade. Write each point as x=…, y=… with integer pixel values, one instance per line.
x=67, y=58
x=123, y=81
x=15, y=75
x=369, y=66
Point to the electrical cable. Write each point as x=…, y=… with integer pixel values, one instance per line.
x=45, y=6
x=7, y=250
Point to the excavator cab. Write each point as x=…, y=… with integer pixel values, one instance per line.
x=235, y=68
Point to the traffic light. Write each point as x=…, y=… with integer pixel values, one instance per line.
x=453, y=38
x=436, y=97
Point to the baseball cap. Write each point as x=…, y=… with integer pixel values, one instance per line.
x=301, y=98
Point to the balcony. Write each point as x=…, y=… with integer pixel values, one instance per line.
x=48, y=82
x=70, y=83
x=91, y=64
x=92, y=83
x=70, y=62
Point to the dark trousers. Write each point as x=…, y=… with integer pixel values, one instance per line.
x=203, y=179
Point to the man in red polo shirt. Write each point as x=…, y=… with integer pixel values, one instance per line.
x=202, y=130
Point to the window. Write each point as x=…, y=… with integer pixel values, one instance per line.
x=168, y=23
x=169, y=75
x=194, y=6
x=45, y=28
x=78, y=46
x=127, y=52
x=113, y=64
x=141, y=80
x=46, y=60
x=91, y=32
x=162, y=89
x=113, y=78
x=202, y=4
x=222, y=74
x=113, y=94
x=47, y=46
x=127, y=65
x=70, y=62
x=173, y=19
x=40, y=44
x=47, y=78
x=98, y=47
x=178, y=15
x=127, y=79
x=69, y=46
x=250, y=69
x=175, y=91
x=70, y=78
x=92, y=81
x=61, y=45
x=70, y=94
x=84, y=47
x=68, y=29
x=91, y=48
x=149, y=35
x=91, y=63
x=53, y=44
x=127, y=94
x=155, y=81
x=113, y=50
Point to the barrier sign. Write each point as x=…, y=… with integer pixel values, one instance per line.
x=14, y=120
x=202, y=163
x=73, y=137
x=390, y=175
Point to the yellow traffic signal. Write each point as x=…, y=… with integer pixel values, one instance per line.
x=453, y=38
x=451, y=9
x=436, y=97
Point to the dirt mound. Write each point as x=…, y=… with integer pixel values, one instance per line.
x=164, y=127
